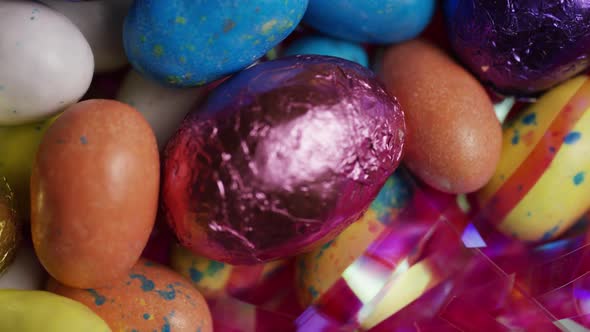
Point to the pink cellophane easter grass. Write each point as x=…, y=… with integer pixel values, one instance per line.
x=480, y=281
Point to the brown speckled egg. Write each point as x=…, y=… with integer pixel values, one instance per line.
x=94, y=193
x=454, y=137
x=150, y=298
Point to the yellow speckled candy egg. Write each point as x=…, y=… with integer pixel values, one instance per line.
x=540, y=187
x=151, y=298
x=214, y=279
x=318, y=270
x=18, y=147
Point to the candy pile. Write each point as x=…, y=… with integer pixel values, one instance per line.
x=296, y=165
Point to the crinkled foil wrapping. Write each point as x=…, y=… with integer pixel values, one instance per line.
x=281, y=158
x=521, y=46
x=9, y=226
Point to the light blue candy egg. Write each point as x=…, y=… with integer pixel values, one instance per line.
x=370, y=21
x=193, y=42
x=321, y=45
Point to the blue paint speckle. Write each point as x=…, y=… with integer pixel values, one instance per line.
x=146, y=316
x=168, y=295
x=530, y=119
x=572, y=137
x=314, y=293
x=324, y=248
x=550, y=233
x=195, y=274
x=529, y=213
x=166, y=326
x=552, y=149
x=579, y=178
x=214, y=267
x=98, y=299
x=516, y=137
x=146, y=284
x=83, y=140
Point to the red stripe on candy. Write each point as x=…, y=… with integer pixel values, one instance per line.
x=530, y=171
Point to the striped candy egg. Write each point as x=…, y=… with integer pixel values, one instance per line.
x=318, y=270
x=539, y=188
x=214, y=279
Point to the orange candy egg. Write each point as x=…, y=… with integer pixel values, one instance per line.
x=150, y=298
x=454, y=137
x=94, y=193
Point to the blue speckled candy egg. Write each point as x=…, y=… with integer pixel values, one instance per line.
x=191, y=43
x=371, y=21
x=321, y=45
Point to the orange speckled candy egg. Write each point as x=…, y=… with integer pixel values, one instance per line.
x=214, y=279
x=454, y=137
x=150, y=298
x=318, y=270
x=94, y=193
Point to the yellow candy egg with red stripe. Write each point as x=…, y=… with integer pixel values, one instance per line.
x=540, y=187
x=214, y=279
x=318, y=270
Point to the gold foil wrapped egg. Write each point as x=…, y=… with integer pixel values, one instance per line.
x=9, y=226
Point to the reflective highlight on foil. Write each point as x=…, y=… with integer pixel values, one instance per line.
x=281, y=158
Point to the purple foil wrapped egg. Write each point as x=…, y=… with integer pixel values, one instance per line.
x=521, y=47
x=280, y=158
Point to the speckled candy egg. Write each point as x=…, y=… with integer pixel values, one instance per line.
x=370, y=21
x=163, y=107
x=322, y=45
x=101, y=22
x=94, y=192
x=280, y=159
x=540, y=187
x=214, y=279
x=32, y=311
x=521, y=46
x=18, y=147
x=318, y=270
x=188, y=43
x=46, y=64
x=151, y=298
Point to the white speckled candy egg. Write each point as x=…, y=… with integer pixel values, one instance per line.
x=101, y=22
x=46, y=63
x=163, y=107
x=25, y=272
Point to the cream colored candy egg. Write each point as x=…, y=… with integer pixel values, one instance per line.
x=46, y=64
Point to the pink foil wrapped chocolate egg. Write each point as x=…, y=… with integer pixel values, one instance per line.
x=280, y=159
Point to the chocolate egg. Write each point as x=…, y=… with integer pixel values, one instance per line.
x=371, y=21
x=214, y=279
x=521, y=46
x=454, y=137
x=540, y=186
x=150, y=298
x=94, y=192
x=191, y=43
x=10, y=230
x=318, y=270
x=280, y=159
